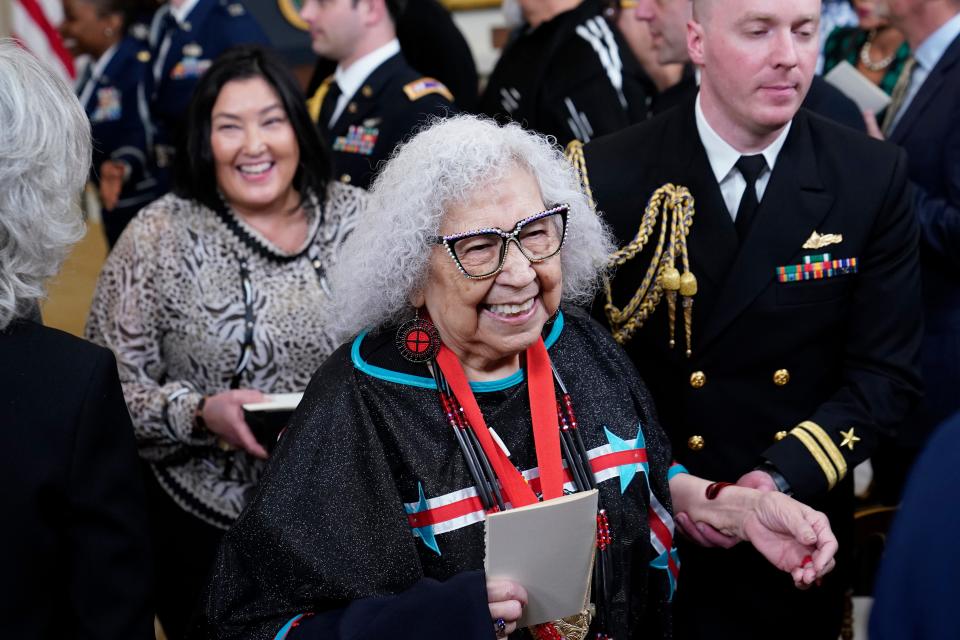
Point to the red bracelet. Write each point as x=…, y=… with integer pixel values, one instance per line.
x=713, y=489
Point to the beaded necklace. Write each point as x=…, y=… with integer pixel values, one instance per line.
x=556, y=436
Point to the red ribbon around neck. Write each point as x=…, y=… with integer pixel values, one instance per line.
x=543, y=410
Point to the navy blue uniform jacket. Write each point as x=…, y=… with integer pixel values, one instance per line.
x=839, y=353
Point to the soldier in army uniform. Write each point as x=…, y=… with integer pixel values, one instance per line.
x=374, y=99
x=777, y=320
x=185, y=37
x=567, y=73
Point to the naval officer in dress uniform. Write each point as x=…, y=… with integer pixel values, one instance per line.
x=185, y=37
x=793, y=305
x=112, y=91
x=374, y=99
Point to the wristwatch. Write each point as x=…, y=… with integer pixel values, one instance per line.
x=782, y=485
x=198, y=423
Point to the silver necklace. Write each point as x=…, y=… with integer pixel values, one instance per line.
x=865, y=60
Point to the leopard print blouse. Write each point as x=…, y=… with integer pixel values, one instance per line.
x=194, y=302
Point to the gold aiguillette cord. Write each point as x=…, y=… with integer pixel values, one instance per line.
x=675, y=205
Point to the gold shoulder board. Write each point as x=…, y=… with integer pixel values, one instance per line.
x=424, y=87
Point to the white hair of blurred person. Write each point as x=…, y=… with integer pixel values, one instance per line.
x=45, y=138
x=636, y=30
x=385, y=261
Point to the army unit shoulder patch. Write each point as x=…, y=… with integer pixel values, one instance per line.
x=424, y=87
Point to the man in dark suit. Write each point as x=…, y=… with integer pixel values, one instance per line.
x=374, y=99
x=801, y=303
x=567, y=73
x=926, y=123
x=668, y=28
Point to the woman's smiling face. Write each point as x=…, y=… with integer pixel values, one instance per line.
x=254, y=145
x=487, y=323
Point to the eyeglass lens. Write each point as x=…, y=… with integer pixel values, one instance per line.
x=481, y=254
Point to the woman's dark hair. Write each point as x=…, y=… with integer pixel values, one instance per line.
x=194, y=173
x=132, y=11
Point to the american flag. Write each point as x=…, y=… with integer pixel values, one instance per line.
x=34, y=27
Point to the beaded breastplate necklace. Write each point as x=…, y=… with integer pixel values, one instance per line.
x=498, y=481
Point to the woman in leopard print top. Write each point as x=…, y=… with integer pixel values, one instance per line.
x=216, y=295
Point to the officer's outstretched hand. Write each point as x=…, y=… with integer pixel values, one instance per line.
x=792, y=536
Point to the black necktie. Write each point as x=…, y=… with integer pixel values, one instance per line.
x=329, y=105
x=750, y=168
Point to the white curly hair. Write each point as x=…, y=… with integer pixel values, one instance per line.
x=45, y=157
x=450, y=161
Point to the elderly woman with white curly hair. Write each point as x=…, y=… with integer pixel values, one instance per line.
x=368, y=523
x=76, y=555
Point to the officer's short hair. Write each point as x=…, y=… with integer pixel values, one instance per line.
x=194, y=171
x=394, y=7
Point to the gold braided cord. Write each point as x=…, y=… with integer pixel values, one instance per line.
x=675, y=205
x=574, y=154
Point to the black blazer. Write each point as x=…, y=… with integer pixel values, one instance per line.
x=929, y=131
x=849, y=343
x=840, y=352
x=76, y=556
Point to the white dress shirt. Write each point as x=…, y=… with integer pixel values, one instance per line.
x=723, y=158
x=350, y=79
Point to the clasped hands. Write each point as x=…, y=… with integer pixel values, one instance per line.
x=790, y=535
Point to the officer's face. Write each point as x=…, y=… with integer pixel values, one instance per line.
x=757, y=59
x=335, y=26
x=668, y=27
x=85, y=31
x=489, y=322
x=255, y=148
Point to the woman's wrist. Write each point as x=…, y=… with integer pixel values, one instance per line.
x=726, y=511
x=199, y=424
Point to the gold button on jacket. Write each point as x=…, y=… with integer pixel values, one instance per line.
x=698, y=379
x=780, y=435
x=781, y=377
x=695, y=443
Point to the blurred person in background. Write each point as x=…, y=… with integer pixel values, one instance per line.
x=567, y=73
x=374, y=99
x=640, y=40
x=112, y=90
x=924, y=119
x=217, y=295
x=433, y=45
x=874, y=47
x=185, y=38
x=668, y=26
x=77, y=554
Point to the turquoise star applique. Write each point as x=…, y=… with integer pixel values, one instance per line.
x=617, y=444
x=425, y=532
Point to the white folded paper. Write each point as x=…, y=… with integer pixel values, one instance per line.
x=548, y=548
x=276, y=402
x=857, y=87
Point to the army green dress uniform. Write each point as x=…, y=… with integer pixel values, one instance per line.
x=803, y=336
x=392, y=102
